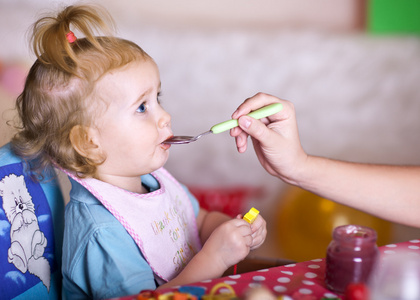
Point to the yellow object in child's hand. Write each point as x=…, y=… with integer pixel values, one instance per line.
x=251, y=215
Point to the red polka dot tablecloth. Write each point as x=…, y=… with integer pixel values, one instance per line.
x=304, y=280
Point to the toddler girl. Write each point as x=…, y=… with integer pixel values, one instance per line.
x=91, y=106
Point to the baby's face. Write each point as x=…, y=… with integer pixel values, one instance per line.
x=133, y=126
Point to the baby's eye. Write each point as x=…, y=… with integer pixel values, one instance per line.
x=141, y=108
x=159, y=94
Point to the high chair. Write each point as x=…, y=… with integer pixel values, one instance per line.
x=31, y=231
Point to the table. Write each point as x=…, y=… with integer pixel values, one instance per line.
x=304, y=280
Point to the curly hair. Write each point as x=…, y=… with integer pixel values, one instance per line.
x=59, y=93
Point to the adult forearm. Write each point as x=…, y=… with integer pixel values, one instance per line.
x=390, y=192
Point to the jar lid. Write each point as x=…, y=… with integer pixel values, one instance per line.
x=355, y=234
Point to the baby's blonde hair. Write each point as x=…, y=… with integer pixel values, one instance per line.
x=60, y=87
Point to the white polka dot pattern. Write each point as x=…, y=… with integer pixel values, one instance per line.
x=304, y=280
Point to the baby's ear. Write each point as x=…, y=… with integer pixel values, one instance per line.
x=84, y=141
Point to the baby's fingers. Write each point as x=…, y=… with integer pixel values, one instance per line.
x=259, y=232
x=258, y=223
x=258, y=239
x=245, y=232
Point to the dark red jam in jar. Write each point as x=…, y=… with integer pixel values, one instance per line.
x=351, y=256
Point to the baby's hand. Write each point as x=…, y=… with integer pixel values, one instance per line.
x=229, y=243
x=259, y=232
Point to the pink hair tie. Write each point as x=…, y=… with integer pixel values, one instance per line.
x=71, y=38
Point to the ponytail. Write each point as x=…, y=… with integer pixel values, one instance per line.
x=49, y=35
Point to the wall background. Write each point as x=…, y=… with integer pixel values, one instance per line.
x=356, y=93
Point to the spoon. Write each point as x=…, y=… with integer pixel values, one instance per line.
x=226, y=125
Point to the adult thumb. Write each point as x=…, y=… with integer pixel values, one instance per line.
x=255, y=128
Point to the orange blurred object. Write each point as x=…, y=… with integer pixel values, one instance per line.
x=305, y=222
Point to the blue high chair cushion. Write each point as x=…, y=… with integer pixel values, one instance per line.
x=31, y=232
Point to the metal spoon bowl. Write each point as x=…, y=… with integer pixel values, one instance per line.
x=184, y=139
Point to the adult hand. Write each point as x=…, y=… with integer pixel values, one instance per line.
x=275, y=138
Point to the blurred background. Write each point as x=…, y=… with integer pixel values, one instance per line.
x=351, y=67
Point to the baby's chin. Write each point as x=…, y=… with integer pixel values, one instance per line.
x=159, y=164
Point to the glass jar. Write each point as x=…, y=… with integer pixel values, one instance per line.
x=351, y=256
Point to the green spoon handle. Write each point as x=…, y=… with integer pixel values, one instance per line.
x=256, y=114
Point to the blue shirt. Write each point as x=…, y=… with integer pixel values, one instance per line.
x=100, y=259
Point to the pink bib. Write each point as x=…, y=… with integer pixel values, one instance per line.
x=162, y=223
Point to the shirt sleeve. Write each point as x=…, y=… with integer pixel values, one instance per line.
x=111, y=265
